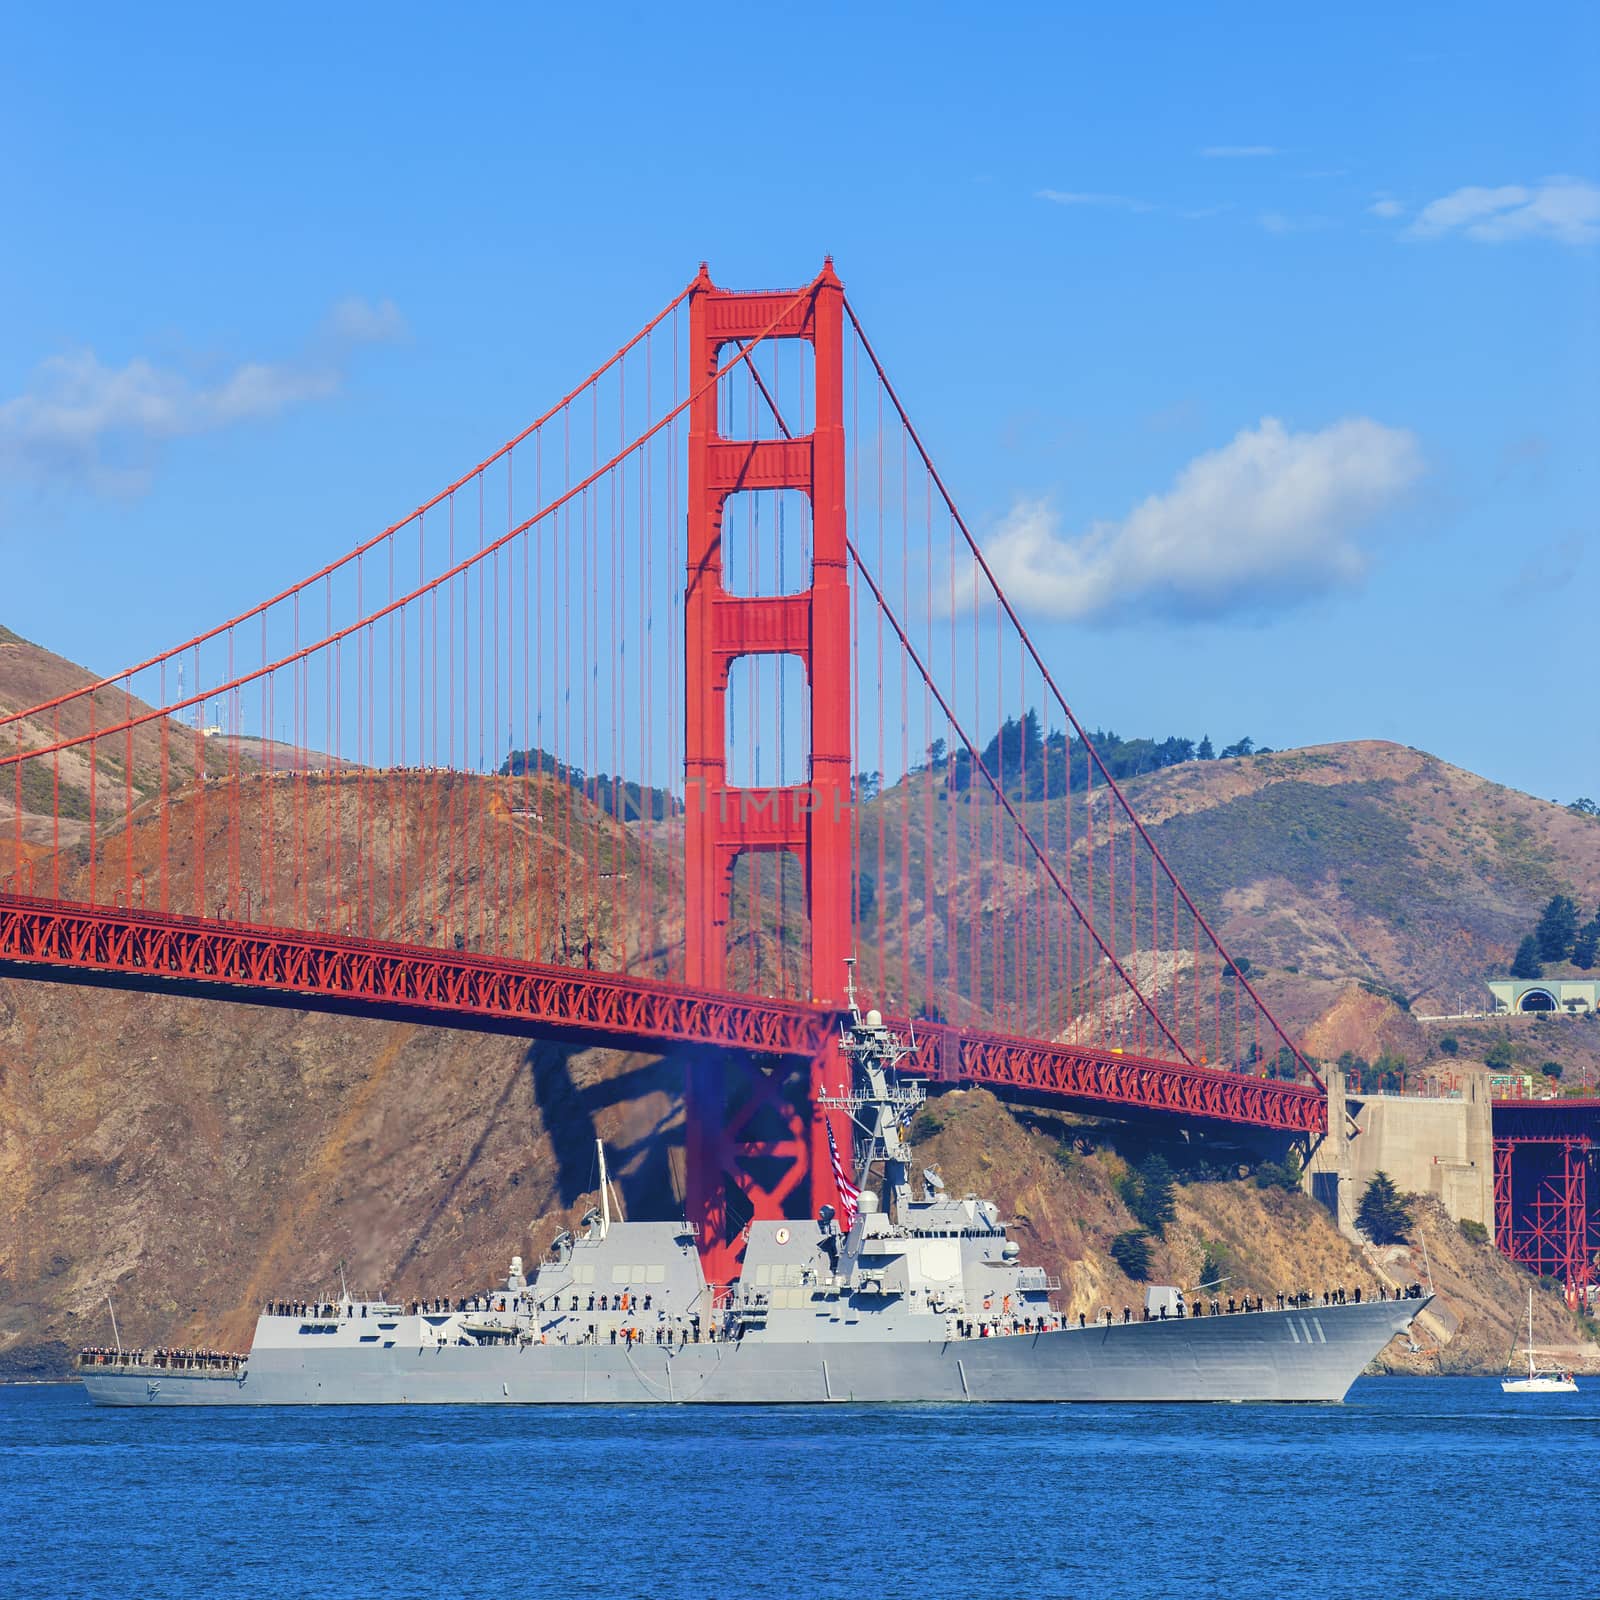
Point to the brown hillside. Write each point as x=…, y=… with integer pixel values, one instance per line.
x=1367, y=1025
x=1369, y=860
x=1362, y=863
x=33, y=676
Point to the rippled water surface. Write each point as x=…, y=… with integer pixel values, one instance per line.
x=1413, y=1488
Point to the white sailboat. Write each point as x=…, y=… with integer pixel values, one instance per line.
x=1549, y=1380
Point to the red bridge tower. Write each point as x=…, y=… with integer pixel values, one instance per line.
x=753, y=1132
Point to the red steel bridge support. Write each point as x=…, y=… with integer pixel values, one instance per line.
x=158, y=952
x=745, y=1130
x=1542, y=1215
x=1106, y=1078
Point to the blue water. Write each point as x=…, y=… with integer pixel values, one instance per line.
x=1413, y=1488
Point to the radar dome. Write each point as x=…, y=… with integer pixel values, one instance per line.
x=868, y=1204
x=874, y=1019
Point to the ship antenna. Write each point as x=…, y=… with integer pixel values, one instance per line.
x=876, y=1100
x=344, y=1288
x=114, y=1332
x=605, y=1190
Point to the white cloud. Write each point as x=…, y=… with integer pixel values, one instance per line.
x=1560, y=208
x=1236, y=152
x=359, y=321
x=1386, y=208
x=1270, y=517
x=101, y=425
x=1064, y=197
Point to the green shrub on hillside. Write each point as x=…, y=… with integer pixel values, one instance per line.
x=1389, y=1071
x=1473, y=1232
x=1354, y=1069
x=1030, y=764
x=1131, y=1252
x=1525, y=964
x=1396, y=997
x=1280, y=1175
x=1558, y=927
x=1146, y=1190
x=619, y=796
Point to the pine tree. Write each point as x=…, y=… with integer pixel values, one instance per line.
x=1526, y=962
x=1558, y=927
x=1383, y=1215
x=1586, y=947
x=1147, y=1193
x=1131, y=1252
x=1205, y=752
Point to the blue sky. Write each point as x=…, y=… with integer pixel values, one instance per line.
x=1260, y=345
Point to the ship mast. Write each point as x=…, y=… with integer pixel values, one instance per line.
x=879, y=1103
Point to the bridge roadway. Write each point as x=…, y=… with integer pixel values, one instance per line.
x=162, y=953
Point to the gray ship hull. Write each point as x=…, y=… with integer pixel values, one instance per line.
x=1310, y=1355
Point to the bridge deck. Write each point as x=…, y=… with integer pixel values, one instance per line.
x=160, y=952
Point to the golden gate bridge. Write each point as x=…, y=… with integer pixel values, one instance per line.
x=631, y=736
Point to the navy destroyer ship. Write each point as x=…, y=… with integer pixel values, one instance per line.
x=889, y=1296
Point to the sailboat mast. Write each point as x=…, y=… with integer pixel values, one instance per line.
x=1530, y=1333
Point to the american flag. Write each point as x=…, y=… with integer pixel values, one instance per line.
x=848, y=1193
